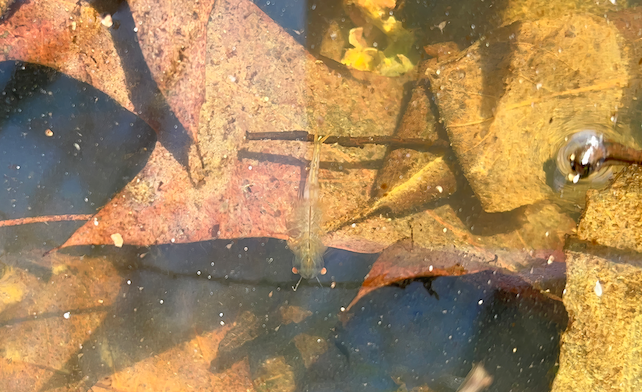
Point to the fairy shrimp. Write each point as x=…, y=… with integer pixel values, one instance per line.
x=305, y=224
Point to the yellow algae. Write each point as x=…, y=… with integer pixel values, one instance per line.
x=391, y=66
x=12, y=290
x=362, y=59
x=12, y=354
x=390, y=62
x=57, y=269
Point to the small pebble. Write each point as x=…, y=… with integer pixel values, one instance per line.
x=598, y=289
x=117, y=239
x=107, y=21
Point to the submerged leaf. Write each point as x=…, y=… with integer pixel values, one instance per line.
x=68, y=148
x=418, y=190
x=409, y=179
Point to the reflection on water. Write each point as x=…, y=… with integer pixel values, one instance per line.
x=575, y=134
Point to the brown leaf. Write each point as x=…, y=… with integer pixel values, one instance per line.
x=310, y=347
x=509, y=103
x=294, y=314
x=408, y=179
x=69, y=39
x=255, y=82
x=172, y=37
x=405, y=260
x=51, y=312
x=185, y=365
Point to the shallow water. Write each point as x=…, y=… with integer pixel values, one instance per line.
x=143, y=238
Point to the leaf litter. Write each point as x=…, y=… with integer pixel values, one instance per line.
x=185, y=211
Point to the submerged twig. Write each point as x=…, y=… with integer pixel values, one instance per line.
x=350, y=141
x=45, y=219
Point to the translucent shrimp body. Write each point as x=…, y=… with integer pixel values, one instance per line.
x=305, y=224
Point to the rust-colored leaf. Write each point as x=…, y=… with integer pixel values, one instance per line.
x=406, y=260
x=69, y=38
x=246, y=189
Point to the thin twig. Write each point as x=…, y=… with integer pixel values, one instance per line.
x=350, y=141
x=44, y=219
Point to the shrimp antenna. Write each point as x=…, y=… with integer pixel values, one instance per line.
x=319, y=281
x=297, y=284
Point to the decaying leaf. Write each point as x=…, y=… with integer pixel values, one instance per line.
x=418, y=190
x=406, y=260
x=31, y=352
x=408, y=179
x=294, y=314
x=310, y=347
x=509, y=102
x=50, y=34
x=251, y=195
x=275, y=374
x=613, y=215
x=179, y=28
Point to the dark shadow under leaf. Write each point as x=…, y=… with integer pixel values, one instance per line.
x=65, y=150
